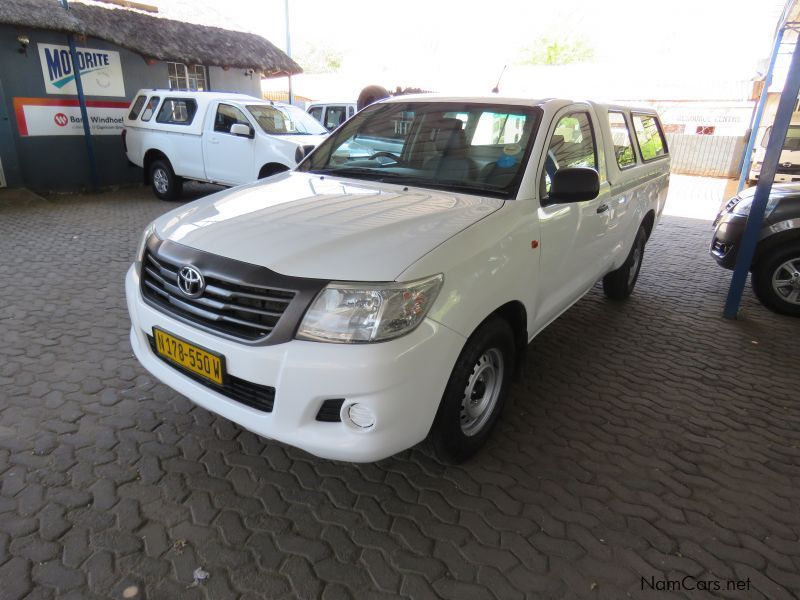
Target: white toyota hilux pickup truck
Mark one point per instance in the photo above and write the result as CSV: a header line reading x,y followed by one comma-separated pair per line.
x,y
366,300
215,137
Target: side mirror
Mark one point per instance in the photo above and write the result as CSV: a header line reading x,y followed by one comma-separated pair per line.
x,y
241,130
574,184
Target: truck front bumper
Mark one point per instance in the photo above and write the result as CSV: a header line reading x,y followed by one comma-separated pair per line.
x,y
400,381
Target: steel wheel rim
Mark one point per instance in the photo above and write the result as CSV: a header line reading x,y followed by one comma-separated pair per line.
x,y
482,392
786,281
637,262
161,181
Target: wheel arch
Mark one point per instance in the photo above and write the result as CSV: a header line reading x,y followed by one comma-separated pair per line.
x,y
272,168
516,315
767,245
150,156
648,222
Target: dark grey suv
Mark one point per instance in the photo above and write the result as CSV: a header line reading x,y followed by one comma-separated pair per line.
x,y
776,265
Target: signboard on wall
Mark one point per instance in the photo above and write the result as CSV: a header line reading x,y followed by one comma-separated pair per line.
x,y
50,116
101,71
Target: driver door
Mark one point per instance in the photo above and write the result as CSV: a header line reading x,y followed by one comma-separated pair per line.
x,y
574,235
228,158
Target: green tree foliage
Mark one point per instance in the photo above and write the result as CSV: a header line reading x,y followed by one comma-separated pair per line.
x,y
552,51
317,59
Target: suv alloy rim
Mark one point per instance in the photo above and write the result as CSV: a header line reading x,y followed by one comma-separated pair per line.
x,y
637,259
161,180
786,281
482,391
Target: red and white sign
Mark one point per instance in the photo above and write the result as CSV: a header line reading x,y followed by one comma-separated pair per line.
x,y
46,116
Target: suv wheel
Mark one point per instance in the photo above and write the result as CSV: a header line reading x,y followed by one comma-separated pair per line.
x,y
476,392
776,280
619,284
166,185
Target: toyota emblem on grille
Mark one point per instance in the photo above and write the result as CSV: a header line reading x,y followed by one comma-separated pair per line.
x,y
190,282
786,164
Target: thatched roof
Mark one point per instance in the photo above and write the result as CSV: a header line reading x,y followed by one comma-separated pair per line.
x,y
153,37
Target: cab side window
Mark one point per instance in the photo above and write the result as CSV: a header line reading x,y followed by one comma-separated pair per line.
x,y
177,111
147,113
335,116
649,136
316,112
137,107
572,145
621,138
227,116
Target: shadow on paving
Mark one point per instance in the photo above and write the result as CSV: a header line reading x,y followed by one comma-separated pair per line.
x,y
648,441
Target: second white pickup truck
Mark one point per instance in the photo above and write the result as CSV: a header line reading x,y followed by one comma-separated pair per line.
x,y
222,138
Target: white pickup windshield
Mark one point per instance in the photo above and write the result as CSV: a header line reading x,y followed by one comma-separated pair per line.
x,y
478,148
285,120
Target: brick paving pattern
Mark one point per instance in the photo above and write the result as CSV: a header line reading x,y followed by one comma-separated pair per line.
x,y
649,439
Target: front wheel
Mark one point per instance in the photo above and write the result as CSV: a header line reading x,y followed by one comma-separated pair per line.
x,y
776,280
619,284
166,185
476,392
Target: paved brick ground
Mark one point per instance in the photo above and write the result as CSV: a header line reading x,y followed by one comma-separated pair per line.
x,y
649,439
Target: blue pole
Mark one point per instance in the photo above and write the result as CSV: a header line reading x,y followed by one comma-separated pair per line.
x,y
87,131
748,154
783,116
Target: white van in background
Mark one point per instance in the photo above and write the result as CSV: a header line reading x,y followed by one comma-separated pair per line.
x,y
216,137
789,163
331,114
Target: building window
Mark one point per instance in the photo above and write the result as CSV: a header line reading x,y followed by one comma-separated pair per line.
x,y
186,77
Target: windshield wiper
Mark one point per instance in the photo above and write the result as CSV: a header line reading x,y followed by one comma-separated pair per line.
x,y
364,172
446,184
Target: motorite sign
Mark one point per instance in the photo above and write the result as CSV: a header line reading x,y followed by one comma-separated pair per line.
x,y
101,71
50,116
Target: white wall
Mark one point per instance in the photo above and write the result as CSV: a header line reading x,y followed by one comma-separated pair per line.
x,y
234,80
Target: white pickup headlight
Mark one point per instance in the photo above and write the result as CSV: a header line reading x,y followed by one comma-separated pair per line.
x,y
149,230
363,312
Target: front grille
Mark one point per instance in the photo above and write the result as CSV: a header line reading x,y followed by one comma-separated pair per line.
x,y
254,395
790,170
731,203
246,312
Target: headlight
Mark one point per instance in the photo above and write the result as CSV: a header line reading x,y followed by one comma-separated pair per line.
x,y
757,167
362,312
149,230
743,207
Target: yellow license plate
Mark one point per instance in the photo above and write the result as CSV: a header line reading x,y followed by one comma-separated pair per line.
x,y
190,357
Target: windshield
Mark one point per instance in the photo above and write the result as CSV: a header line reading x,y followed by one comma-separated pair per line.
x,y
285,120
477,148
792,141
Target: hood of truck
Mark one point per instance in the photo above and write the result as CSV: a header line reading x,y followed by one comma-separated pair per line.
x,y
323,227
304,140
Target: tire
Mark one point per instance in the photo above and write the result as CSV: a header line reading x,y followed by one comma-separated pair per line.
x,y
166,185
776,280
485,368
619,284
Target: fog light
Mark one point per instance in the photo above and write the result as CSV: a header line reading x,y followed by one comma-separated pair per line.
x,y
361,416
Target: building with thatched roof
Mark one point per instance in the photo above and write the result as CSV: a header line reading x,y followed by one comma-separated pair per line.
x,y
120,50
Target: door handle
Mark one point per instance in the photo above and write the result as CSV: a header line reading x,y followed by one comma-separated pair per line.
x,y
213,141
602,208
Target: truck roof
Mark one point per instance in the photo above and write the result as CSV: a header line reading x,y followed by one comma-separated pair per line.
x,y
208,96
509,100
